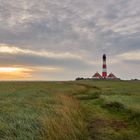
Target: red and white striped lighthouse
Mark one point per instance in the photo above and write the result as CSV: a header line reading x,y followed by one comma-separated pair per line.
x,y
104,70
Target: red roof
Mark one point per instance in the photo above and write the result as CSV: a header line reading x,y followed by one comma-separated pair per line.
x,y
111,75
96,75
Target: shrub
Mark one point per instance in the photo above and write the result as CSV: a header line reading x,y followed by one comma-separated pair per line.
x,y
116,106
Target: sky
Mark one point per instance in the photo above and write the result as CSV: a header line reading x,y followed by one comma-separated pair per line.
x,y
65,39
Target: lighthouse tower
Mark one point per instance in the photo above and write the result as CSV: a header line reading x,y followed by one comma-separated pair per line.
x,y
104,70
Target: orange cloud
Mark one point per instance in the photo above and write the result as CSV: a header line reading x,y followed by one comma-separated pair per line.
x,y
14,73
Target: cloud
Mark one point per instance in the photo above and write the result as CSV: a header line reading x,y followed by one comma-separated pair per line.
x,y
69,34
15,50
133,56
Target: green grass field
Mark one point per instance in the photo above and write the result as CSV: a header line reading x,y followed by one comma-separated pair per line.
x,y
77,110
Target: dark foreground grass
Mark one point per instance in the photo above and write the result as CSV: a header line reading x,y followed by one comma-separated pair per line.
x,y
83,110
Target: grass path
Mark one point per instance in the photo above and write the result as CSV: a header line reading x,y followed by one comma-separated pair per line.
x,y
108,119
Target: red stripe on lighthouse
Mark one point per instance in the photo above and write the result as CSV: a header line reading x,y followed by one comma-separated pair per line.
x,y
104,74
104,66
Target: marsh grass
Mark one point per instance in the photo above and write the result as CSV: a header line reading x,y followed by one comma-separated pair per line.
x,y
40,111
80,110
88,96
66,123
114,115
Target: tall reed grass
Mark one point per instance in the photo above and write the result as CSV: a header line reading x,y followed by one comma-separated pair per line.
x,y
66,122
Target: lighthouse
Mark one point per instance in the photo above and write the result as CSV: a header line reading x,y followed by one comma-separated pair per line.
x,y
104,67
111,76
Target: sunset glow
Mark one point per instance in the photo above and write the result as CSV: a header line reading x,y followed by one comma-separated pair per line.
x,y
11,73
9,70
